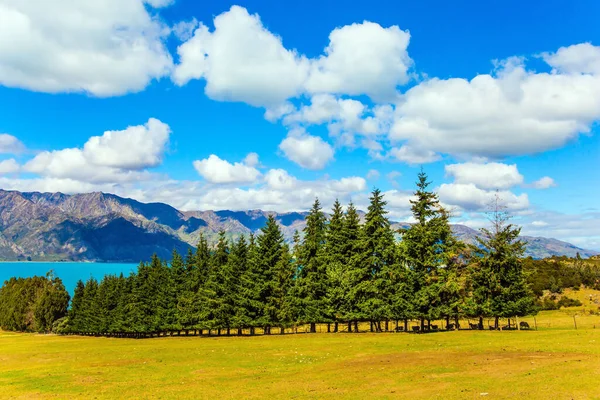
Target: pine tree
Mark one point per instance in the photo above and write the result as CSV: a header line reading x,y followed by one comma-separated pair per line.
x,y
76,311
270,251
499,284
377,255
211,296
251,283
353,274
336,266
312,277
428,247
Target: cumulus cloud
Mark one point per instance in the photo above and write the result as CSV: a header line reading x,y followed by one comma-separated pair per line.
x,y
486,176
116,156
103,48
135,148
9,166
544,183
514,111
310,152
10,144
413,155
215,170
362,59
469,197
583,58
241,60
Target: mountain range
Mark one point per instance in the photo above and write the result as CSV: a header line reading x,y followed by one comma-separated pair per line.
x,y
105,227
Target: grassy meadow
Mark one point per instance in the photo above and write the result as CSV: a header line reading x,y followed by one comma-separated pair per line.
x,y
555,362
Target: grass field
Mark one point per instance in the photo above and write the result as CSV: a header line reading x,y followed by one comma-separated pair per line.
x,y
555,362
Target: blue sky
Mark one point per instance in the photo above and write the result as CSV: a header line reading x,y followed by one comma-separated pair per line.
x,y
265,104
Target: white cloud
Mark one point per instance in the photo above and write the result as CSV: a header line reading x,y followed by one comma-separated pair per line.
x,y
362,59
117,156
414,155
10,144
515,111
544,183
135,148
9,166
216,170
583,58
310,152
241,60
103,48
280,179
486,176
471,198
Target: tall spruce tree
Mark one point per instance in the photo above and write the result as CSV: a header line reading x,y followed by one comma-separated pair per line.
x,y
428,246
377,255
499,285
312,278
269,254
336,266
353,274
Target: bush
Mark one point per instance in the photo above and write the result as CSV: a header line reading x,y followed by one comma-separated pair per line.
x,y
568,302
60,325
547,304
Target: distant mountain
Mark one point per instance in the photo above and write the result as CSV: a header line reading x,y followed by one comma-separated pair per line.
x,y
105,227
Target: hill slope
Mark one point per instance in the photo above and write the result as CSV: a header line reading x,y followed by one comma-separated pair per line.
x,y
105,227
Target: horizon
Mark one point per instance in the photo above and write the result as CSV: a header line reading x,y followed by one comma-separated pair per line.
x,y
239,106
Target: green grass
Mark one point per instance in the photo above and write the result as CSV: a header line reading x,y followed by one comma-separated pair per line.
x,y
557,362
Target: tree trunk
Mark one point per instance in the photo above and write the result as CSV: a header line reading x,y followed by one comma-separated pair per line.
x,y
239,331
313,327
387,325
405,325
349,326
355,326
328,327
228,331
282,331
480,323
251,331
447,321
335,327
496,323
422,324
456,322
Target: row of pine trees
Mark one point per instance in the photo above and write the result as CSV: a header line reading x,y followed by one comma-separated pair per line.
x,y
341,270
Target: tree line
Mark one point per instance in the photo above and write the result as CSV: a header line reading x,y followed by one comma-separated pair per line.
x,y
341,270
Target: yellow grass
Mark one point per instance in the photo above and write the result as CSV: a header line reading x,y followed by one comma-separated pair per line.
x,y
555,362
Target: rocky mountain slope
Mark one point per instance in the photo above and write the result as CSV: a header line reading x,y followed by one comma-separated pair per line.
x,y
105,227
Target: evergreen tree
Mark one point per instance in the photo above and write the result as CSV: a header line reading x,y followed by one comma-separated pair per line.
x,y
336,265
500,288
76,311
270,252
312,276
377,255
428,246
251,283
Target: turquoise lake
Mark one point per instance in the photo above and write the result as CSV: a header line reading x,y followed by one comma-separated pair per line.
x,y
69,272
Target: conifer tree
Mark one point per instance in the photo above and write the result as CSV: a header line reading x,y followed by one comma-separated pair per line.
x,y
270,251
353,274
428,246
251,283
312,276
336,265
499,284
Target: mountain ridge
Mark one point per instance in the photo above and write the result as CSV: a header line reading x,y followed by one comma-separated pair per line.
x,y
105,227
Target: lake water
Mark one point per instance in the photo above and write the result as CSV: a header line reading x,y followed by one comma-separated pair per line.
x,y
69,272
